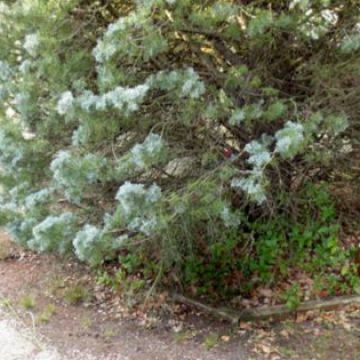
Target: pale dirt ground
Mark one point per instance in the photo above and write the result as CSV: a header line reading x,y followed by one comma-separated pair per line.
x,y
99,331
17,343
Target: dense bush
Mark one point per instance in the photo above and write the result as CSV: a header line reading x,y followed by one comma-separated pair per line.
x,y
182,130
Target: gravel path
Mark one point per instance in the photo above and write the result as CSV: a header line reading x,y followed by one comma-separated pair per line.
x,y
18,343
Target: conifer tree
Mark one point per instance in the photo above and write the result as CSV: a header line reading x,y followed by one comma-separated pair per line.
x,y
165,121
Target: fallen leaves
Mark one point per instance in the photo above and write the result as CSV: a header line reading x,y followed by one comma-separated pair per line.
x,y
225,338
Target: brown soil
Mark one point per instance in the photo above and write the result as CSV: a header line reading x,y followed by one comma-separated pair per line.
x,y
102,326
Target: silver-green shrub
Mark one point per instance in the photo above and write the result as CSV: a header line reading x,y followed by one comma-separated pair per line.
x,y
176,119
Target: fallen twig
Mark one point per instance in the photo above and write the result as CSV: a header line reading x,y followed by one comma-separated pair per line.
x,y
276,312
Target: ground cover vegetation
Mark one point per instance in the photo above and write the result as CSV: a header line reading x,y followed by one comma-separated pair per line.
x,y
195,141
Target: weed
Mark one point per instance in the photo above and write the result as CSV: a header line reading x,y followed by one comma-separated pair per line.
x,y
55,284
183,335
86,323
104,278
28,302
287,352
121,281
109,333
47,313
5,250
211,340
77,294
7,303
292,297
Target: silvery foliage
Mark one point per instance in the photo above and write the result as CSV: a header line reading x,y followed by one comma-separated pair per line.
x,y
17,193
105,76
336,124
254,185
4,8
350,43
3,93
259,154
289,140
61,158
9,210
31,44
10,207
331,125
237,117
301,4
5,71
260,23
21,229
124,99
66,103
25,66
54,234
107,47
37,198
229,218
127,100
138,206
93,245
88,101
80,136
5,75
86,241
23,103
73,173
192,87
147,153
182,83
10,153
141,157
317,24
131,36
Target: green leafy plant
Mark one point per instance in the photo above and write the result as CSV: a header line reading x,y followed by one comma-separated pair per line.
x,y
292,297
